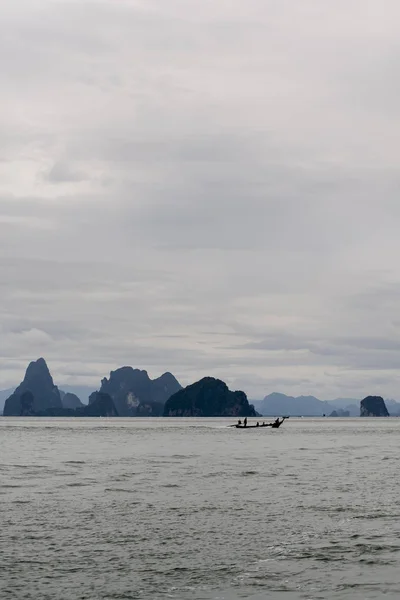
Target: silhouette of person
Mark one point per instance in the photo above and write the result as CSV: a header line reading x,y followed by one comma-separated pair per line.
x,y
245,422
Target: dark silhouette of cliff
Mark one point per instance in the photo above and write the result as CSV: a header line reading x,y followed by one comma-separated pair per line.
x,y
26,404
102,405
43,394
373,406
70,400
37,396
208,397
135,394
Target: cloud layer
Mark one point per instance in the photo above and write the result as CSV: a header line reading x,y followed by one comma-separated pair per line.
x,y
202,187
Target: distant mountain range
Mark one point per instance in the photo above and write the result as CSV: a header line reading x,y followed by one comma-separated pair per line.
x,y
280,404
310,406
131,392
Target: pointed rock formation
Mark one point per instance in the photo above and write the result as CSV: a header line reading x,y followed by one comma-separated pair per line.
x,y
208,397
36,393
373,406
163,387
135,394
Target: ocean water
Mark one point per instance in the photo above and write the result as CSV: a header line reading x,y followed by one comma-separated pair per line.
x,y
190,509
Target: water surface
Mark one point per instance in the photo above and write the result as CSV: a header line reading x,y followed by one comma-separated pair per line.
x,y
189,509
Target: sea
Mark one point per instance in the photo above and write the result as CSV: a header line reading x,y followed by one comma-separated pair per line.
x,y
192,509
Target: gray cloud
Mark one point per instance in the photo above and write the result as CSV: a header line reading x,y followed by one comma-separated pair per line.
x,y
208,190
61,172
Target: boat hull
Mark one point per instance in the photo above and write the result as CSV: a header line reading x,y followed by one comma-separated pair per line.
x,y
253,426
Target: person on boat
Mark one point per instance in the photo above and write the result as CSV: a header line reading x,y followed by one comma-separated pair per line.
x,y
239,422
258,424
245,422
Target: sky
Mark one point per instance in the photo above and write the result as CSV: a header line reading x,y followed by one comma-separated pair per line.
x,y
202,187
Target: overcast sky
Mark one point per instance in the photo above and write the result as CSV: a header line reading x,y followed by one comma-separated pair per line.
x,y
208,187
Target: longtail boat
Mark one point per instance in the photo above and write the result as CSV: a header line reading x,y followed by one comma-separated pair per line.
x,y
275,424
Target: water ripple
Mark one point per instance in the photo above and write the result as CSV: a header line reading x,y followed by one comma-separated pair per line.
x,y
149,509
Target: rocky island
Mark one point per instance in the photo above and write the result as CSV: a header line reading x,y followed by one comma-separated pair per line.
x,y
208,397
130,392
127,393
37,396
36,393
136,395
373,406
340,412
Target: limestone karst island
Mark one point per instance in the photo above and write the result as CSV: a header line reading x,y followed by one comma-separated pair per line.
x,y
129,392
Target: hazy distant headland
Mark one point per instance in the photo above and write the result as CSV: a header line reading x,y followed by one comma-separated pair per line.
x,y
310,406
130,392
